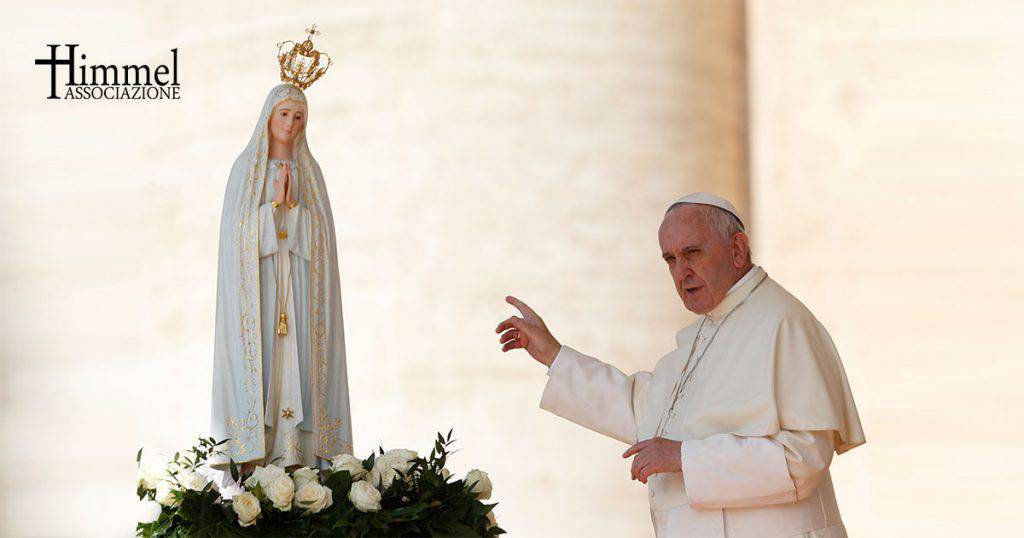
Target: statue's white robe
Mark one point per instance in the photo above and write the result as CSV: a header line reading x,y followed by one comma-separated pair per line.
x,y
766,408
245,397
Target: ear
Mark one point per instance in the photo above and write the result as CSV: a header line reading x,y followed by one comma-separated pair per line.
x,y
738,248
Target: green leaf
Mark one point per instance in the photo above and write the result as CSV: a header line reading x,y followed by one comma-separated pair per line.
x,y
138,457
459,529
479,509
234,471
339,484
409,511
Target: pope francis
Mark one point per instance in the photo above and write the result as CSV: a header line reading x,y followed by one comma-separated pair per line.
x,y
734,430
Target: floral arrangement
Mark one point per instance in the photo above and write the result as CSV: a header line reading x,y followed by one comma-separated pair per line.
x,y
392,493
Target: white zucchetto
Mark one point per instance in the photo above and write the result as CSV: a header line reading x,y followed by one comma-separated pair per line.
x,y
705,198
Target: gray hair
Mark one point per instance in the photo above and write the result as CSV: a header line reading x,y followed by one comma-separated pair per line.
x,y
721,221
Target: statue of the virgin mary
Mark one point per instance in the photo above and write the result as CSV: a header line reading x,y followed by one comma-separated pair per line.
x,y
280,387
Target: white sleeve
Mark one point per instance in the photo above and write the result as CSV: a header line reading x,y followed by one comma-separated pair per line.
x,y
297,223
730,471
594,395
268,230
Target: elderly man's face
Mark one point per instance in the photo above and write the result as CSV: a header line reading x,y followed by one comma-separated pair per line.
x,y
703,266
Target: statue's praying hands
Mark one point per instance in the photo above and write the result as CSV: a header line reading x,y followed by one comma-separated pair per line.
x,y
283,189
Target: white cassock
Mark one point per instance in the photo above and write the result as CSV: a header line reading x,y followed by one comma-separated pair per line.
x,y
765,406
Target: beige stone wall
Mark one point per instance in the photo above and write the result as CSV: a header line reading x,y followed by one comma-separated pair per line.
x,y
887,195
471,150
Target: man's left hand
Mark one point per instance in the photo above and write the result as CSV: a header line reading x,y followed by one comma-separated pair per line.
x,y
657,455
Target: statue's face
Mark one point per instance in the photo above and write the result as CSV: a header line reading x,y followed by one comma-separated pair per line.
x,y
287,121
703,266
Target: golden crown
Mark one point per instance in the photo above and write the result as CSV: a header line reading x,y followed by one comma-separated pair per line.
x,y
300,65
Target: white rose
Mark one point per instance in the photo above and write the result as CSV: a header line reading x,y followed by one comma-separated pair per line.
x,y
350,463
400,459
165,494
303,475
149,477
264,476
247,506
191,480
230,491
383,476
445,474
364,496
280,492
313,497
152,469
148,511
491,521
483,483
387,465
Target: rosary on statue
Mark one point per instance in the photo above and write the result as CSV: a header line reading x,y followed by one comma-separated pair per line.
x,y
282,304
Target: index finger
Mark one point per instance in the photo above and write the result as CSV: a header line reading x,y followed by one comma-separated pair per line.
x,y
523,307
636,448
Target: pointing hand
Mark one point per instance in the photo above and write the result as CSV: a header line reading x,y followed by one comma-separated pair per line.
x,y
528,332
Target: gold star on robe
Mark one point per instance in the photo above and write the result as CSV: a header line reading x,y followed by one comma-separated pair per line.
x,y
287,412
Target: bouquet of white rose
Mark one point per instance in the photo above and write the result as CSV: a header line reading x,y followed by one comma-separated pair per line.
x,y
392,493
